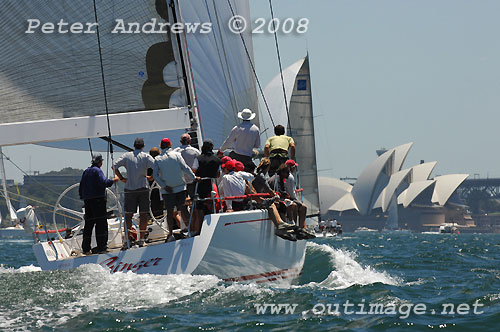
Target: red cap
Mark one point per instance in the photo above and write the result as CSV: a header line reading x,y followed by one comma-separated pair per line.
x,y
166,140
291,163
238,165
229,165
225,159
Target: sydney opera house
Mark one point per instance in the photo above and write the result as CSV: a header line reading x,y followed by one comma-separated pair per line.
x,y
386,196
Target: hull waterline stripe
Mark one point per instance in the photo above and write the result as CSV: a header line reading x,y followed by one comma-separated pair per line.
x,y
244,221
267,275
292,276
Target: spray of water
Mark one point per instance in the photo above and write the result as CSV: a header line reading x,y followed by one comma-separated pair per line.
x,y
346,271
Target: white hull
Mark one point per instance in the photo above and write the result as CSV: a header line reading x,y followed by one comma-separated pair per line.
x,y
238,246
364,230
324,234
14,232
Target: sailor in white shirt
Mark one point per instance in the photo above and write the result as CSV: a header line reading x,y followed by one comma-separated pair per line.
x,y
171,172
233,185
190,155
243,138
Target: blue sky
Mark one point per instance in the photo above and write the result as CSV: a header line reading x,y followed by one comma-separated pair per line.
x,y
384,73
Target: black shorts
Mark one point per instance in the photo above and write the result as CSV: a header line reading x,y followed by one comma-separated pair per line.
x,y
276,162
281,207
137,198
175,200
206,207
246,160
239,206
190,188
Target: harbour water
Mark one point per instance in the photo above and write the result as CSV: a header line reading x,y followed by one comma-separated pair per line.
x,y
443,274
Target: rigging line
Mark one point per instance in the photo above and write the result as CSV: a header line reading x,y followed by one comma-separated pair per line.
x,y
183,65
251,65
90,147
33,177
41,203
281,69
107,160
234,101
103,80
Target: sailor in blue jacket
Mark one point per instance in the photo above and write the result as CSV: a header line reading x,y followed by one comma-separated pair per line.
x,y
93,192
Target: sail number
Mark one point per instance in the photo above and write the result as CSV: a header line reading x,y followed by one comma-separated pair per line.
x,y
275,25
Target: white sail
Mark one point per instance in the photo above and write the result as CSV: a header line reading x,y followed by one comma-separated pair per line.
x,y
276,102
51,84
10,208
223,79
299,123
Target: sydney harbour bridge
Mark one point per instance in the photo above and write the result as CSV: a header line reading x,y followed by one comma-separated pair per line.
x,y
476,191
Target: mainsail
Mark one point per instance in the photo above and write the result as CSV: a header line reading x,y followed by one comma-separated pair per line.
x,y
299,123
51,77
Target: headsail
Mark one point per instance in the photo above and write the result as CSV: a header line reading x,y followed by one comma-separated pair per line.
x,y
276,101
299,124
51,78
10,208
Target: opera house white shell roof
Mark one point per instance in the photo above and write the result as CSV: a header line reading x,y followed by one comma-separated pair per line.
x,y
383,179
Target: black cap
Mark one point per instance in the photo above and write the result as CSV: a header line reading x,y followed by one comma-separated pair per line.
x,y
96,159
207,146
139,143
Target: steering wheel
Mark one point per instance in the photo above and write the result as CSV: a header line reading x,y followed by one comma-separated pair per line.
x,y
159,221
79,214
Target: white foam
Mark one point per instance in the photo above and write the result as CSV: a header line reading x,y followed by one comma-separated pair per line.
x,y
22,269
419,281
347,272
91,288
130,291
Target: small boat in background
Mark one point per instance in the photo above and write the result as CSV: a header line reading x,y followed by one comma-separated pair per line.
x,y
364,230
449,228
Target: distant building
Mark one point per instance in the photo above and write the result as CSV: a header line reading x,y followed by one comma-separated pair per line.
x,y
9,182
387,196
55,180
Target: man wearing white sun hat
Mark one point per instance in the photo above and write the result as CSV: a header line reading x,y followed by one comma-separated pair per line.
x,y
243,138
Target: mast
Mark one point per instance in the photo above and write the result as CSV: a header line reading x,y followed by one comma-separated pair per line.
x,y
195,130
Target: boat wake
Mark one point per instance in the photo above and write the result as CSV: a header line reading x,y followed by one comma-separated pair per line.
x,y
86,290
59,298
346,271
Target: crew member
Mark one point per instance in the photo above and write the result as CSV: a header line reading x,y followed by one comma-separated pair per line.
x,y
207,165
171,172
243,139
136,163
93,192
277,147
189,154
